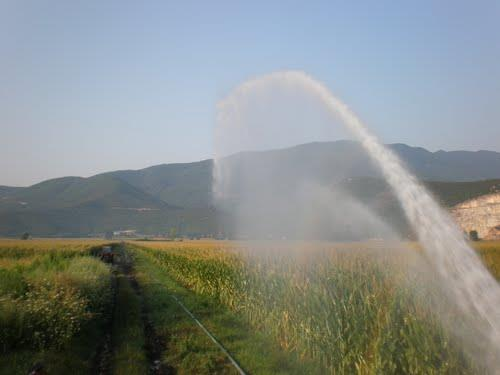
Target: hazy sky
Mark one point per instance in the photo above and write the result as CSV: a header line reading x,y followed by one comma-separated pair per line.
x,y
90,86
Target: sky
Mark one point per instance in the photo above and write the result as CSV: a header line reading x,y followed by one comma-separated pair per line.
x,y
91,86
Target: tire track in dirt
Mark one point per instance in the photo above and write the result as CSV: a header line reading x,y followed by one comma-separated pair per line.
x,y
154,344
102,364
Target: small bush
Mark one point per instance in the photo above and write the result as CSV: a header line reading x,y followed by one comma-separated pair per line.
x,y
54,313
48,315
92,278
11,323
62,293
12,283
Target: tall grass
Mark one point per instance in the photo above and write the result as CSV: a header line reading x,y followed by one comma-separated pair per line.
x,y
48,292
354,308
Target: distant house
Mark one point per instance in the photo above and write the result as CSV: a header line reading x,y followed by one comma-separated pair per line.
x,y
125,233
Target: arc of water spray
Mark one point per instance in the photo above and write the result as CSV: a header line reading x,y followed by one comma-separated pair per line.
x,y
477,293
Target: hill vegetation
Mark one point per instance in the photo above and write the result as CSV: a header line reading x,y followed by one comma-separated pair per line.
x,y
156,199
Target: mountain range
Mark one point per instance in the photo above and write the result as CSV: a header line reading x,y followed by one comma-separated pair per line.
x,y
155,199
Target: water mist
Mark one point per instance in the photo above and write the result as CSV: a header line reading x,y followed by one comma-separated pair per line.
x,y
463,275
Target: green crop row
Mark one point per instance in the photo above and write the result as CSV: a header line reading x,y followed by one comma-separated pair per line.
x,y
351,311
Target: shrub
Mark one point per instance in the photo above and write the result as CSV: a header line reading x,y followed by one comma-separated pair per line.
x,y
45,303
92,279
53,314
12,283
11,323
48,315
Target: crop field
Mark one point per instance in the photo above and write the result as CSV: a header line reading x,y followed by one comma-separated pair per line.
x,y
283,307
49,292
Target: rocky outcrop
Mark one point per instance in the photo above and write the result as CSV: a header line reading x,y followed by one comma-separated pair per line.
x,y
481,214
493,233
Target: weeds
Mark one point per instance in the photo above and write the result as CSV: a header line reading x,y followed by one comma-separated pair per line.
x,y
45,302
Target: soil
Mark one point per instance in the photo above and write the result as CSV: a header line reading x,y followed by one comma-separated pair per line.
x,y
154,344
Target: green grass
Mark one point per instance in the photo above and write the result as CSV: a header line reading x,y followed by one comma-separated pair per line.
x,y
490,254
348,310
128,333
55,308
315,308
189,350
75,358
51,303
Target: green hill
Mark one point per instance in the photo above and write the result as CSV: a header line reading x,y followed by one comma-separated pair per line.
x,y
69,192
155,199
182,184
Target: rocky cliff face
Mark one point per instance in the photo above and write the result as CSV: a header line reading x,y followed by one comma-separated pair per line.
x,y
481,214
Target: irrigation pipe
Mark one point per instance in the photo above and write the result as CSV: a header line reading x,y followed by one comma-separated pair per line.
x,y
207,332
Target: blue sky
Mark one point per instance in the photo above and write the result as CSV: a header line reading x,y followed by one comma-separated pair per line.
x,y
90,86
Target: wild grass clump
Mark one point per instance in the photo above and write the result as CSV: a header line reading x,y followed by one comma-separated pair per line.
x,y
12,283
46,301
92,279
47,315
490,254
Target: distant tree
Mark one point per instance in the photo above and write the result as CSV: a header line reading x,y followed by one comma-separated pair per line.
x,y
108,235
473,236
25,236
172,233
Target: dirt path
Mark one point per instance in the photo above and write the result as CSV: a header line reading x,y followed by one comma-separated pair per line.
x,y
104,355
154,345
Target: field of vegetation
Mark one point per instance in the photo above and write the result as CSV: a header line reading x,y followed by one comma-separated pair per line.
x,y
349,308
341,308
49,294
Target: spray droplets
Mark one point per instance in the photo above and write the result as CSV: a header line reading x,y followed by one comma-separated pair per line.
x,y
463,275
